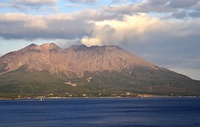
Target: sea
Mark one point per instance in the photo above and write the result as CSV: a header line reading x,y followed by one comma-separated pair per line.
x,y
101,112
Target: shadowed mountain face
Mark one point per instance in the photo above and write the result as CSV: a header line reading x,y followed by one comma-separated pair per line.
x,y
80,70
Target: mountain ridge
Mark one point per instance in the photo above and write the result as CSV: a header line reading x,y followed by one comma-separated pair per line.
x,y
78,59
90,71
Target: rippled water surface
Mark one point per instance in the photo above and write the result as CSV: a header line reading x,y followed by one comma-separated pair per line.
x,y
101,112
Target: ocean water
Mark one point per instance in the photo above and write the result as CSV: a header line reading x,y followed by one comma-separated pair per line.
x,y
101,112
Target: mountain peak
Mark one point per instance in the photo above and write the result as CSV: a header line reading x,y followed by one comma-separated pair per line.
x,y
76,59
47,46
78,47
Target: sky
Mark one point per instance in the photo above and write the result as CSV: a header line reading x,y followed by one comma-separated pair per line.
x,y
164,32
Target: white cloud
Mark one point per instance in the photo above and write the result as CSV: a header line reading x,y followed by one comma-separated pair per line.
x,y
90,41
123,31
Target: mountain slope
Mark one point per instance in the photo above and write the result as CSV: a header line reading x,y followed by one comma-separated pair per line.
x,y
98,70
76,59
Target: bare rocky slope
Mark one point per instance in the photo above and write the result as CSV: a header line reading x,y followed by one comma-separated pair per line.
x,y
90,71
74,60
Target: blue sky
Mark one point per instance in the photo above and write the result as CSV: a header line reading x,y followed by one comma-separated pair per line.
x,y
164,32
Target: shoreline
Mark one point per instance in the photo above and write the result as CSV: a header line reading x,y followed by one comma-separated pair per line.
x,y
140,96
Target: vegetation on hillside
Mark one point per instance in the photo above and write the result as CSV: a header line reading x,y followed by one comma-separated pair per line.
x,y
23,83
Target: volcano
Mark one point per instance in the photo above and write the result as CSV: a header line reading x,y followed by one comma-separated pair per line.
x,y
90,71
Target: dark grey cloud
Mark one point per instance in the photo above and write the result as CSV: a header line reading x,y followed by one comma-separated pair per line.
x,y
180,9
194,14
68,29
155,2
182,3
143,7
170,3
128,9
96,15
180,14
25,5
185,14
196,7
154,6
21,26
175,47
